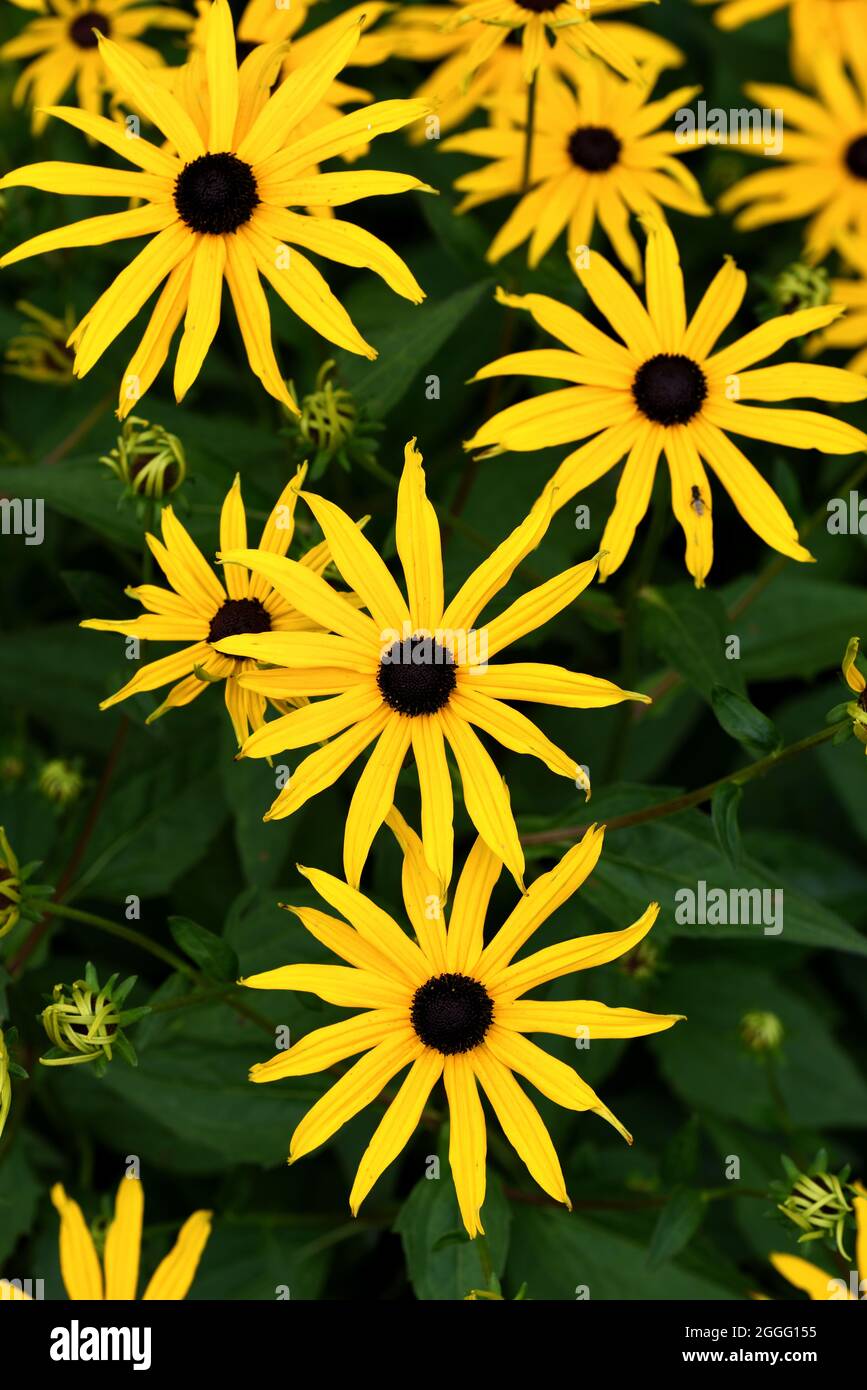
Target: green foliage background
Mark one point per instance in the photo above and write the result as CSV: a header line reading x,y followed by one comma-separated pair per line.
x,y
180,822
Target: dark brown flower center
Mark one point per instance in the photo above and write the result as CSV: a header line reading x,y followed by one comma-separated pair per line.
x,y
238,617
451,1013
538,6
856,157
669,388
594,148
216,194
81,30
862,699
416,676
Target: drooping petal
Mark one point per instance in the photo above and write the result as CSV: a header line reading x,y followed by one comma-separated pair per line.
x,y
397,1124
468,1140
521,1122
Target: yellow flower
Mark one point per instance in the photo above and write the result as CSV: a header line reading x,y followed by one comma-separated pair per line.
x,y
116,1277
414,673
597,154
856,709
468,72
817,26
849,331
65,50
817,1283
821,171
445,1005
197,609
221,208
667,391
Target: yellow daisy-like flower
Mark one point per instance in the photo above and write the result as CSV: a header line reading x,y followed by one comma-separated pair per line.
x,y
222,207
663,389
597,154
446,1005
817,26
821,171
468,73
198,610
412,673
856,709
849,331
116,1277
64,46
821,1286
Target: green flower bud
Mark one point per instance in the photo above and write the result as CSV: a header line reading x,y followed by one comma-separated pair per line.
x,y
85,1022
148,460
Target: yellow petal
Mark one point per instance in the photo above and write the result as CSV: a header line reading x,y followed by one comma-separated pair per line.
x,y
354,1090
361,566
174,1275
397,1124
549,1075
371,922
418,544
544,896
123,1241
437,805
521,1123
478,879
422,893
324,1047
222,70
203,311
582,953
322,768
373,795
468,1140
485,795
79,1264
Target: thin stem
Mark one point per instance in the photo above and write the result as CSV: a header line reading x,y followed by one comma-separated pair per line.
x,y
82,429
693,798
529,132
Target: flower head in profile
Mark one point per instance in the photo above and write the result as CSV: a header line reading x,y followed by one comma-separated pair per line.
x,y
412,672
445,1005
220,207
476,62
856,709
538,22
662,387
63,51
198,611
835,27
597,155
821,171
115,1277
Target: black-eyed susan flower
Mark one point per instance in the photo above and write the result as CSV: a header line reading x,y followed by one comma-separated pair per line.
x,y
817,1283
817,26
115,1276
597,155
445,1005
850,330
664,390
412,673
197,610
221,208
63,45
468,74
821,171
856,709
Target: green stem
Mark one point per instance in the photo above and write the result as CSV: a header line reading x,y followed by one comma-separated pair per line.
x,y
693,798
530,128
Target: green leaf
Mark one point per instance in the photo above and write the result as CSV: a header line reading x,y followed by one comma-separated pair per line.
x,y
740,718
798,626
678,1222
406,347
566,1256
214,956
439,1266
724,814
688,628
